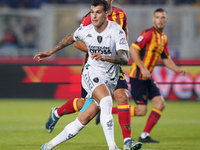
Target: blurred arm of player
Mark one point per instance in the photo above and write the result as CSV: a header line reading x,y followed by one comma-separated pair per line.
x,y
126,33
171,65
67,40
135,54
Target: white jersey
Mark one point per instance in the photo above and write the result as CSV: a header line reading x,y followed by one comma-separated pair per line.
x,y
107,43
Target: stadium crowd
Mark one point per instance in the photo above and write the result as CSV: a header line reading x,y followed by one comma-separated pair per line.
x,y
38,3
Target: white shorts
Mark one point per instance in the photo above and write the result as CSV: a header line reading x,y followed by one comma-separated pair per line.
x,y
92,78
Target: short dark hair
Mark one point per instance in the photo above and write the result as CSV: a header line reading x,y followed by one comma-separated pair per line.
x,y
160,10
100,2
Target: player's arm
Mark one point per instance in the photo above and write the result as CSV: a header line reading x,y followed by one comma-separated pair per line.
x,y
122,57
171,65
126,33
81,46
67,40
135,54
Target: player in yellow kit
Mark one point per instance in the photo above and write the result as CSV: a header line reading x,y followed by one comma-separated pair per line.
x,y
146,51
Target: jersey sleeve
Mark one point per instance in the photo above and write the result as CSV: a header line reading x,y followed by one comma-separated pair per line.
x,y
124,22
86,20
121,42
78,34
165,53
142,40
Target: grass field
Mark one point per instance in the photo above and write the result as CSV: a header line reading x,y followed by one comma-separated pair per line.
x,y
22,127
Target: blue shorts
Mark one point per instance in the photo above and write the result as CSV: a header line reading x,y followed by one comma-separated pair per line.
x,y
121,84
142,90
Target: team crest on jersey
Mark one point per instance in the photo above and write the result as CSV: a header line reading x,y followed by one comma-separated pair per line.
x,y
117,20
139,39
99,39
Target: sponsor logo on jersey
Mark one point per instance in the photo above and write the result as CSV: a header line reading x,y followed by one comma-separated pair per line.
x,y
89,35
122,41
100,49
139,39
121,32
77,38
99,39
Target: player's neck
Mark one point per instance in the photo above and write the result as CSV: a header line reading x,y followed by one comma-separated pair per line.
x,y
159,30
102,27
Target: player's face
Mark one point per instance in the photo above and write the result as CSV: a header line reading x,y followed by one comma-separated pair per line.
x,y
98,16
159,19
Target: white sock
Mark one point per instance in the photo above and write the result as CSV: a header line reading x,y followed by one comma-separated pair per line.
x,y
106,120
144,135
127,139
68,132
56,113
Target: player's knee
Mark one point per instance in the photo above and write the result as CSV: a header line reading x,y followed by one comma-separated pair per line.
x,y
163,105
121,97
80,103
160,106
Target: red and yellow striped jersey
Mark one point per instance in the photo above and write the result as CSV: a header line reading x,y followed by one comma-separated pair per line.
x,y
152,45
117,15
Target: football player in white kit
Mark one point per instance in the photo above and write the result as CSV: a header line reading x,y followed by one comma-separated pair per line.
x,y
107,48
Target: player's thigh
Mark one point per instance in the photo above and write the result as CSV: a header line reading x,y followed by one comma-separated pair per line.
x,y
94,84
88,114
121,89
139,91
100,92
155,96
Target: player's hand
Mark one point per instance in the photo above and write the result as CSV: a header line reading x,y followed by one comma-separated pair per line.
x,y
182,72
41,55
97,56
146,73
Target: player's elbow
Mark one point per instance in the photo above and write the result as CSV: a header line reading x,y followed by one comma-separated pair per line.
x,y
124,61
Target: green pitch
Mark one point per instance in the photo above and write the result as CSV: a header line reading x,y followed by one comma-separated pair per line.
x,y
22,127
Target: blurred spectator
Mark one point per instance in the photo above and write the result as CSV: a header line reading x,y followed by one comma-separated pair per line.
x,y
39,3
177,2
29,33
9,44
